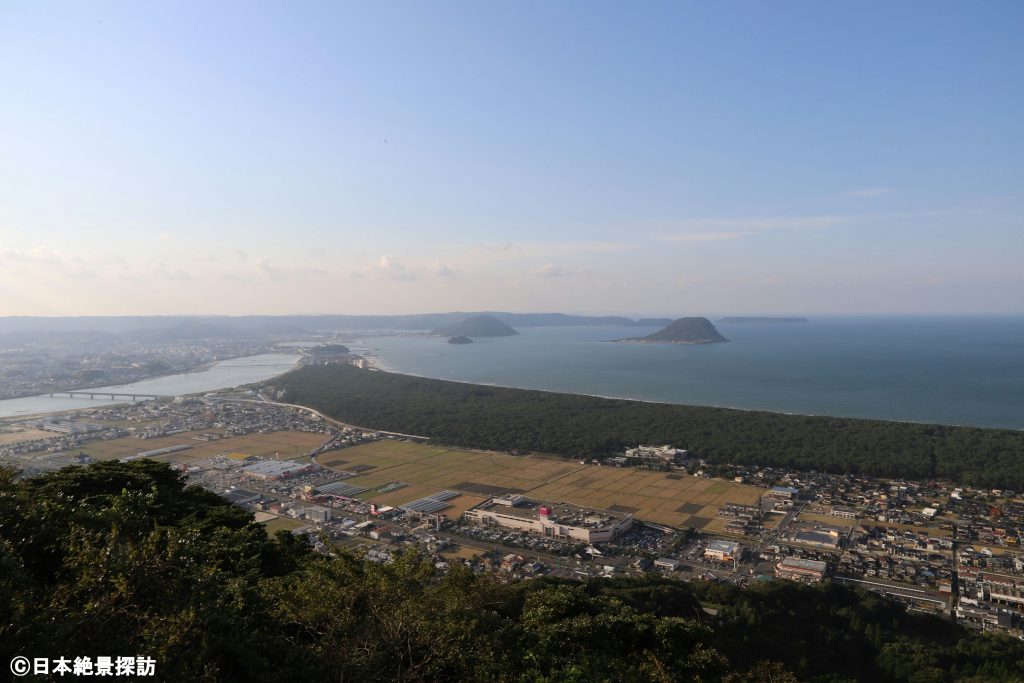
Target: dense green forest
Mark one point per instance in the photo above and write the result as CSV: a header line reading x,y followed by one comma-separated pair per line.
x,y
478,416
125,559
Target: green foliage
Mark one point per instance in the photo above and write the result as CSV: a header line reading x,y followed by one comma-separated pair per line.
x,y
122,558
831,633
498,418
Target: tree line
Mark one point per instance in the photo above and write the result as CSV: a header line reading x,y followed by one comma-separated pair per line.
x,y
477,416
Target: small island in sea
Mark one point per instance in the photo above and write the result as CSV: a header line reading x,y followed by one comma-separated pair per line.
x,y
477,326
682,331
461,339
760,319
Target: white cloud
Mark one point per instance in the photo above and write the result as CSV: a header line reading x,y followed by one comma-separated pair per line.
x,y
34,256
441,270
280,274
175,275
388,267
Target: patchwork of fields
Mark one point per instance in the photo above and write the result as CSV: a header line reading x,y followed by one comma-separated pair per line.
x,y
285,444
409,471
18,435
664,498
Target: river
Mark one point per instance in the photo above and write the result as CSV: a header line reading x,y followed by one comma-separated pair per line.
x,y
221,375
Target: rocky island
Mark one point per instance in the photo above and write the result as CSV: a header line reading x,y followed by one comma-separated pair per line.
x,y
477,326
682,331
461,339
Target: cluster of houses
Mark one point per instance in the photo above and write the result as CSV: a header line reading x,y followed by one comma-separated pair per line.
x,y
36,367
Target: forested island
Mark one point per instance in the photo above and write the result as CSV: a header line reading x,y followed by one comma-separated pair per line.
x,y
499,418
125,558
683,331
477,326
461,339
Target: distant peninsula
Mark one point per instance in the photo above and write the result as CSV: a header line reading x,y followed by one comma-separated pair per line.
x,y
682,331
477,326
761,319
461,339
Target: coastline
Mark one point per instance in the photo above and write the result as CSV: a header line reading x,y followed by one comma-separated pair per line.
x,y
641,340
840,371
201,367
377,366
106,403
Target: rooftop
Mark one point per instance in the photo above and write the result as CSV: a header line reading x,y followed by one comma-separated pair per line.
x,y
799,563
724,546
274,468
562,513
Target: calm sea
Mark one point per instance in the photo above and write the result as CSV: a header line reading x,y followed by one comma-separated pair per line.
x,y
964,370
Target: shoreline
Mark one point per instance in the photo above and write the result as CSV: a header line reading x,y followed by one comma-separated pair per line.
x,y
376,365
201,367
641,340
204,367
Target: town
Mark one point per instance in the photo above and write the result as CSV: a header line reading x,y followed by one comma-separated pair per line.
x,y
937,547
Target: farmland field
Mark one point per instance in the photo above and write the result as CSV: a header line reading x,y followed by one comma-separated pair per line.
x,y
287,444
426,469
277,523
18,435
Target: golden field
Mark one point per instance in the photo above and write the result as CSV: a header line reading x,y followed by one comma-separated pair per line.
x,y
664,498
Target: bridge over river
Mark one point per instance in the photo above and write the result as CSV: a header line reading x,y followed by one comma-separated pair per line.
x,y
106,394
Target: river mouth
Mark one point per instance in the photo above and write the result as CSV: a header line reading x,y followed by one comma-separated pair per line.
x,y
224,374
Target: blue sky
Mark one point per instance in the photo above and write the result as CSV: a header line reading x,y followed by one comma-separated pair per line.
x,y
640,158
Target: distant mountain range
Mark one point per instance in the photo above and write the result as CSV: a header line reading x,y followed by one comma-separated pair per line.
x,y
82,338
174,328
111,331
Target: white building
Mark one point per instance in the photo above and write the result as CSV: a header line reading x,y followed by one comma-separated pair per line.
x,y
723,551
843,512
317,513
797,569
563,520
656,455
276,469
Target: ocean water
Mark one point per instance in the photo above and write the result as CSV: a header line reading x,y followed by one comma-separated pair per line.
x,y
962,370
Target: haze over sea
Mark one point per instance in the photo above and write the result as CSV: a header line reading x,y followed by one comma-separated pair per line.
x,y
948,370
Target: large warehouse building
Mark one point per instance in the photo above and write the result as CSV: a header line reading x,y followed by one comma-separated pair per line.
x,y
797,569
556,521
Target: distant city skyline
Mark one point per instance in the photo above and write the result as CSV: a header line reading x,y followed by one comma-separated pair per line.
x,y
587,158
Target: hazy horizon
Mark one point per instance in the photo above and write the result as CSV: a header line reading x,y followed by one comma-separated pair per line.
x,y
575,157
713,315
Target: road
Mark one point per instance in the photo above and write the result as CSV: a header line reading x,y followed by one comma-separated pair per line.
x,y
771,537
325,418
